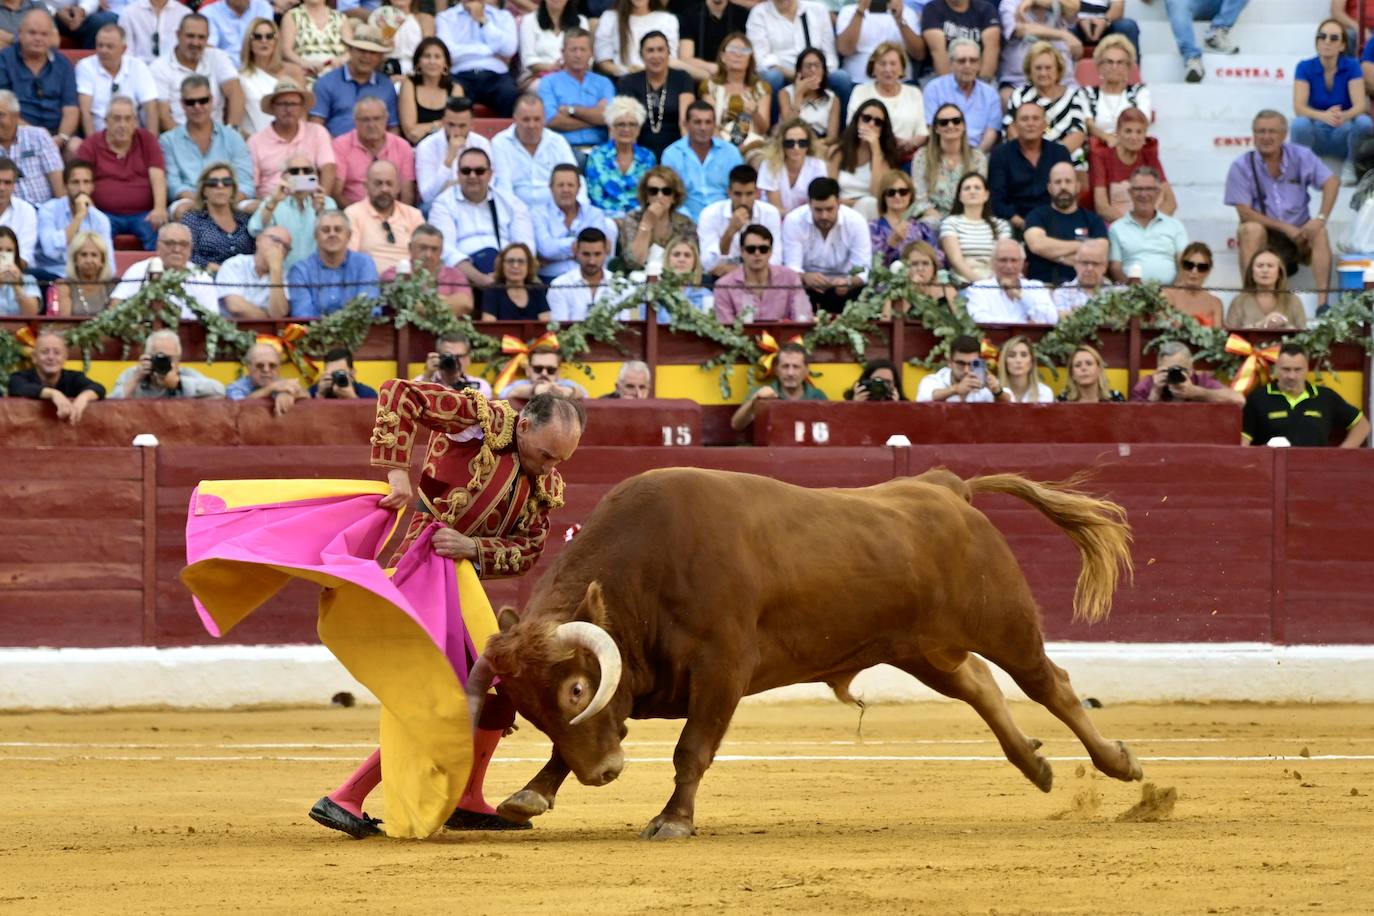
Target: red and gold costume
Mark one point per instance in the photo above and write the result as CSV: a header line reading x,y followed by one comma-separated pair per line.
x,y
471,480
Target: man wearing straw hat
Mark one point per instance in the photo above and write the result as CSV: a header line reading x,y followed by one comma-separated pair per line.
x,y
340,89
290,136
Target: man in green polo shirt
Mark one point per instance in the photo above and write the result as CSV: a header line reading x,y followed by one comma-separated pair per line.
x,y
789,384
1294,409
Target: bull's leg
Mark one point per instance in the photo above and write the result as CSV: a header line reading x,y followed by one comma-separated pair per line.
x,y
538,794
709,711
1048,684
966,677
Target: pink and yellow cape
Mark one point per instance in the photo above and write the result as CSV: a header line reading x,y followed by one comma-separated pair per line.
x,y
409,634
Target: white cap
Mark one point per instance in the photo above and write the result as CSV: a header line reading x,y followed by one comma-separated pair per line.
x,y
155,265
1279,442
402,267
897,440
1135,272
145,440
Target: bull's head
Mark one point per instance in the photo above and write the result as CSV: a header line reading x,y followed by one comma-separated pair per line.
x,y
562,677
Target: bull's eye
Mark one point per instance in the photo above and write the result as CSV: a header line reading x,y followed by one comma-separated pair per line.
x,y
577,690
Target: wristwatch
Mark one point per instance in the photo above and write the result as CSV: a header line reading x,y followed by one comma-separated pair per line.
x,y
568,110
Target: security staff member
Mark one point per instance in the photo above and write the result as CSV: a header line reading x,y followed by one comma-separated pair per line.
x,y
1299,411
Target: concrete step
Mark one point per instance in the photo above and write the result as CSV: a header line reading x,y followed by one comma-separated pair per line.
x,y
1257,12
1271,70
1197,104
1288,39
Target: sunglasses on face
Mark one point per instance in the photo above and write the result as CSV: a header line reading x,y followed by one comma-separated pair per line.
x,y
757,249
219,182
544,370
655,190
195,103
1327,36
872,119
264,36
949,122
301,170
797,144
472,170
1199,266
897,192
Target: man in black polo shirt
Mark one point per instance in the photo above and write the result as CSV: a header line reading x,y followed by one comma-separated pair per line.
x,y
1296,410
1056,229
69,391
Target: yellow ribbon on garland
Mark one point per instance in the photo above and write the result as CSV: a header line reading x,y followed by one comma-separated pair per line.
x,y
520,351
770,348
286,345
988,350
1255,369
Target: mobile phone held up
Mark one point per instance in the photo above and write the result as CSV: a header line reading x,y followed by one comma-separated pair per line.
x,y
305,184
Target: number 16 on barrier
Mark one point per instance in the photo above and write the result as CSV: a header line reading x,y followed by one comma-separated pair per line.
x,y
819,432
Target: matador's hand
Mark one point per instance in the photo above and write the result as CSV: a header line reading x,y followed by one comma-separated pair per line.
x,y
401,493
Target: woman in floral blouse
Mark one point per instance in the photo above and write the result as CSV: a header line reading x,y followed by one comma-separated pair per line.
x,y
893,230
615,168
938,166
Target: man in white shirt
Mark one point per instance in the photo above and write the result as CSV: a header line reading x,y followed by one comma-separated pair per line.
x,y
253,286
829,245
720,225
16,212
862,26
482,40
110,71
528,153
967,379
1090,270
478,220
151,27
779,30
192,56
174,252
1007,297
573,293
436,156
558,223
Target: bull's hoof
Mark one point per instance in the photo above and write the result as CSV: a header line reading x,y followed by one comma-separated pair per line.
x,y
1044,775
523,805
1134,771
662,828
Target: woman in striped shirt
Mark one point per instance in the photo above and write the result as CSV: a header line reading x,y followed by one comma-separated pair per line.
x,y
968,234
1066,111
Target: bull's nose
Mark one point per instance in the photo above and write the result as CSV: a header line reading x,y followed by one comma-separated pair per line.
x,y
607,775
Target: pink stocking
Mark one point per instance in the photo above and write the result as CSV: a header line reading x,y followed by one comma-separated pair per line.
x,y
484,743
355,789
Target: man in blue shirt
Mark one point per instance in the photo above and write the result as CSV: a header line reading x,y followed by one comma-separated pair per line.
x,y
702,160
229,21
329,278
481,40
575,99
978,101
198,143
559,221
44,80
60,219
339,90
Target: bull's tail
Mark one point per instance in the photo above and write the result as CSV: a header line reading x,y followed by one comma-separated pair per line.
x,y
1097,526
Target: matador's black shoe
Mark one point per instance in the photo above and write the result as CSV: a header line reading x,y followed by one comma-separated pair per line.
x,y
463,819
332,815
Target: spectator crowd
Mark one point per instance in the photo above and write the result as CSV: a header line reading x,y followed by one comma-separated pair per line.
x,y
772,153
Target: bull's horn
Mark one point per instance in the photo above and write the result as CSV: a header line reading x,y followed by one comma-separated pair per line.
x,y
598,642
479,682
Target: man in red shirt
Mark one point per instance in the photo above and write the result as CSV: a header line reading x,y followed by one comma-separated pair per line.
x,y
130,174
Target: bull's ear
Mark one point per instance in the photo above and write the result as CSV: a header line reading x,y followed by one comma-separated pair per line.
x,y
593,606
506,618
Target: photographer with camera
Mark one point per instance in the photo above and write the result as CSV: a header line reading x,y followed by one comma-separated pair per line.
x,y
877,382
966,379
448,365
159,373
264,380
1175,380
338,380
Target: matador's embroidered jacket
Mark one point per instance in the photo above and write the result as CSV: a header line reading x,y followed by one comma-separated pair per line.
x,y
471,479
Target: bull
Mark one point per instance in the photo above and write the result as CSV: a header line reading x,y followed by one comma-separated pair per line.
x,y
688,589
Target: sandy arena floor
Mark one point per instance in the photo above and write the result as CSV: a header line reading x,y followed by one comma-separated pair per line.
x,y
206,812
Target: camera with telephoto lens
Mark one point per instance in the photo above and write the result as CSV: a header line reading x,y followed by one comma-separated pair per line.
x,y
1176,375
339,378
878,388
448,363
160,364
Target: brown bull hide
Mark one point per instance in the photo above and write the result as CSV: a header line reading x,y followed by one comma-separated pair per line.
x,y
716,585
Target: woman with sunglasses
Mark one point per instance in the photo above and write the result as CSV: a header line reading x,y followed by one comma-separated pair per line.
x,y
893,229
743,102
970,232
657,221
261,64
1189,294
218,228
1087,382
1265,302
615,169
313,36
664,92
904,103
1330,102
515,293
426,90
866,151
1066,112
403,27
808,98
1112,167
938,166
790,162
1114,93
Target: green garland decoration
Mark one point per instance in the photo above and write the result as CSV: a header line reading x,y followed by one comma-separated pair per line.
x,y
1347,321
12,355
735,345
157,301
414,299
894,283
